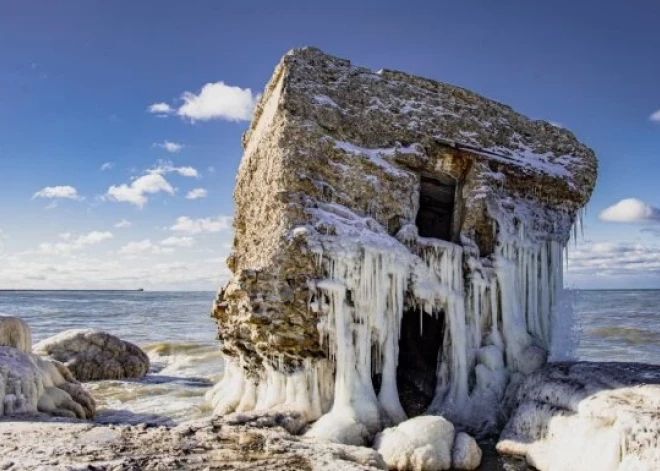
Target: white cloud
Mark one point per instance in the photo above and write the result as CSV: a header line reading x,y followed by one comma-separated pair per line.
x,y
655,117
211,169
197,193
123,224
630,210
160,109
169,146
66,191
196,226
82,241
214,101
151,183
143,247
613,259
164,168
107,166
136,192
178,242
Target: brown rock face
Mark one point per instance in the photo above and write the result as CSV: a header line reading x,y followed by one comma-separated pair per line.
x,y
354,189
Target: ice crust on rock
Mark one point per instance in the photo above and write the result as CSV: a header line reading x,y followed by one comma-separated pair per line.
x,y
30,385
420,444
327,258
94,355
586,416
15,332
466,454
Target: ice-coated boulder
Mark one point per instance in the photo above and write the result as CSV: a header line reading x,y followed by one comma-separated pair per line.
x,y
15,333
420,444
93,355
586,416
30,384
466,454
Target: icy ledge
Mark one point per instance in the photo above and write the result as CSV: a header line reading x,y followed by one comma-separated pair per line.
x,y
586,416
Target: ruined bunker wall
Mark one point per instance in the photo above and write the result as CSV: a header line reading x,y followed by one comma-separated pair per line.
x,y
329,259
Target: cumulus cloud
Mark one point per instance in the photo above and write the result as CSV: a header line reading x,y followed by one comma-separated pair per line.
x,y
215,100
107,166
162,109
655,117
123,224
67,192
196,226
136,192
178,242
218,101
630,210
196,194
169,146
80,242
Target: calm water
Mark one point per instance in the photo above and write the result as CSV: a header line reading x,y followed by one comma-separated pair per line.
x,y
176,331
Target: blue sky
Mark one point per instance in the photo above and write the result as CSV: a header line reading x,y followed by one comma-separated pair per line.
x,y
77,79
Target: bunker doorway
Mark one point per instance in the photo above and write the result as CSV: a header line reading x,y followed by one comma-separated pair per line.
x,y
419,350
436,207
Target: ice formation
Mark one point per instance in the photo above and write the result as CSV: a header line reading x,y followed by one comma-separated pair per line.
x,y
93,355
14,332
30,384
586,416
378,208
466,454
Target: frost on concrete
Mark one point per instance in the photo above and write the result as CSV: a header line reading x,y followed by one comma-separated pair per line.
x,y
420,444
14,332
93,355
586,416
29,384
328,260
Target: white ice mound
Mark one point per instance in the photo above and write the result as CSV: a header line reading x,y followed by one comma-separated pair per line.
x,y
466,454
15,333
586,416
93,355
29,384
420,444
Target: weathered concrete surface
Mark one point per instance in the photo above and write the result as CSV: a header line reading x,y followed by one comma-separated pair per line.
x,y
586,416
93,355
328,132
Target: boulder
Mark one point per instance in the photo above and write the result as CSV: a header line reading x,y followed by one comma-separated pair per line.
x,y
15,333
586,416
94,355
420,444
466,453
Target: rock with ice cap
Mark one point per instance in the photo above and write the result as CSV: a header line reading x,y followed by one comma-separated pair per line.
x,y
420,444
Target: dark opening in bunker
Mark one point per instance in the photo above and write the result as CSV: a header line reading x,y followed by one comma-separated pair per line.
x,y
436,207
419,350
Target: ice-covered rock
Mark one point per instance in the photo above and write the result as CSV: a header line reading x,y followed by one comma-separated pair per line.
x,y
586,416
30,384
14,332
94,355
420,444
466,454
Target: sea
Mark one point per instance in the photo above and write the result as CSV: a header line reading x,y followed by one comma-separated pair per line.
x,y
176,331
